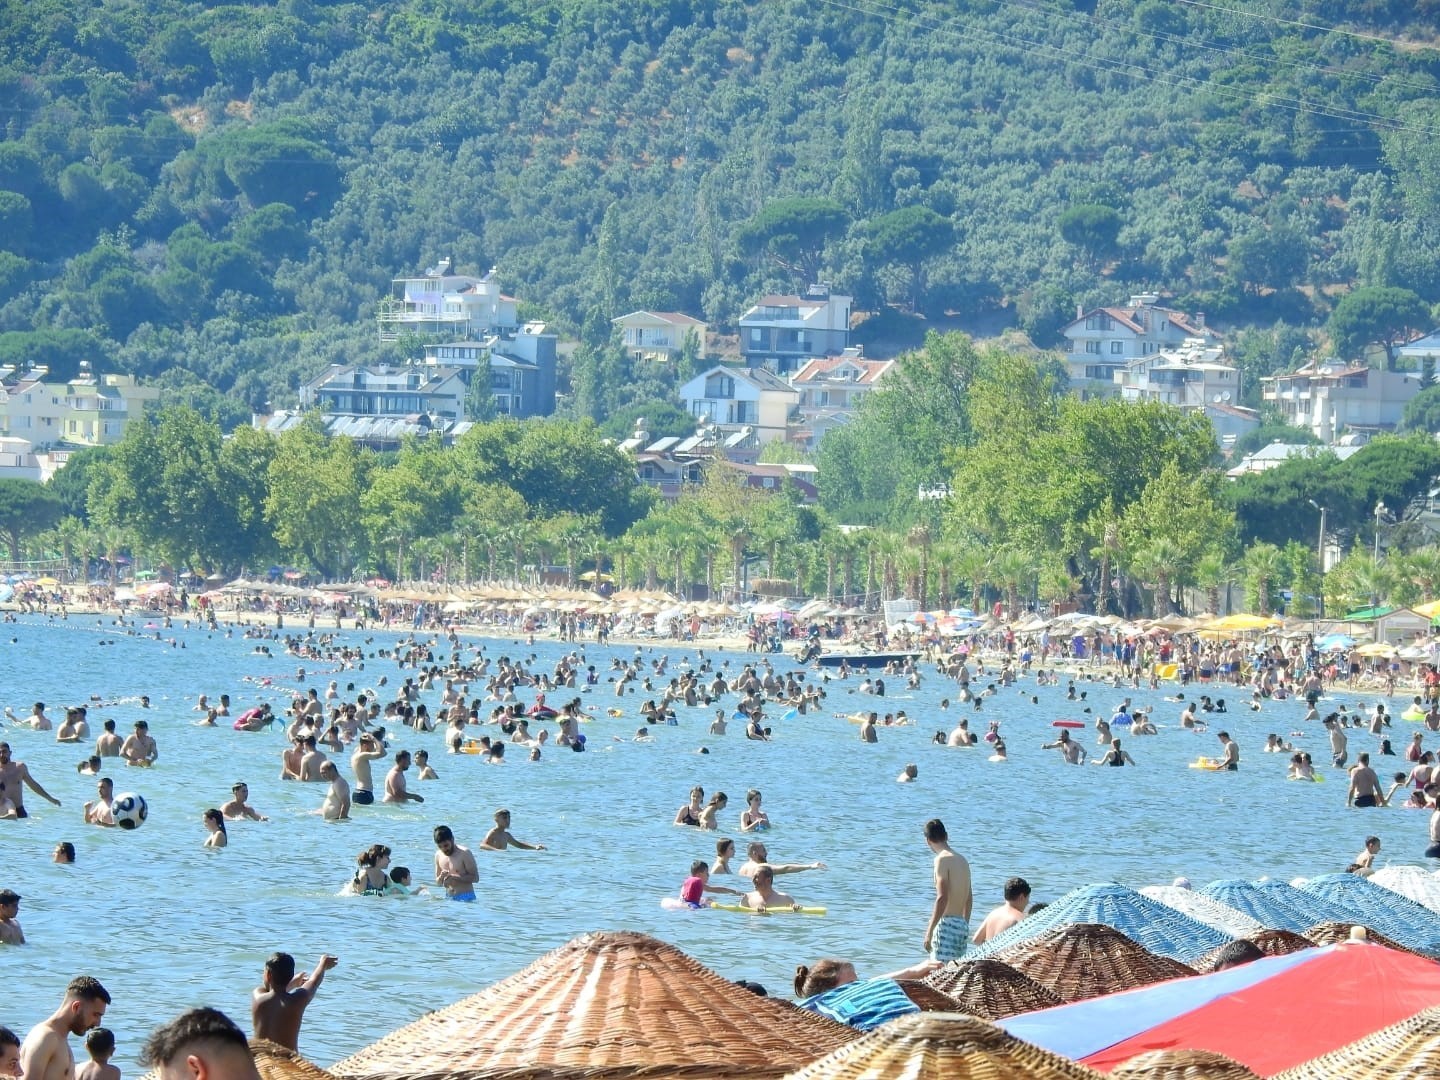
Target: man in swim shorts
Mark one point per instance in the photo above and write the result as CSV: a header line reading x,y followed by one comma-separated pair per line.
x,y
948,933
455,868
277,1006
14,779
370,749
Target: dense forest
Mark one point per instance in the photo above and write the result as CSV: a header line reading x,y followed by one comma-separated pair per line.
x,y
216,196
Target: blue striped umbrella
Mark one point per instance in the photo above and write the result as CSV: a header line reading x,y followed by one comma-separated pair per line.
x,y
1276,904
1156,926
1411,924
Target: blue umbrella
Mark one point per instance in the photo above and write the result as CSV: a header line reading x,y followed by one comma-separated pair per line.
x,y
1157,927
1411,924
1276,904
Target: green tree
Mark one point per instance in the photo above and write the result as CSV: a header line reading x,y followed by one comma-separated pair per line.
x,y
27,509
312,498
1093,228
793,232
910,237
1377,315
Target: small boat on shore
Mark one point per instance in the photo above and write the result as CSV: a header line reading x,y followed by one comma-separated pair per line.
x,y
864,659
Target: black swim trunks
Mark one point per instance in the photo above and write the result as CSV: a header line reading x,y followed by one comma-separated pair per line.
x,y
363,797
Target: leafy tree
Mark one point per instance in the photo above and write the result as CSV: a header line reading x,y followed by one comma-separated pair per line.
x,y
662,419
312,498
793,233
1267,257
1272,431
910,236
1422,412
1377,315
26,509
71,485
1092,228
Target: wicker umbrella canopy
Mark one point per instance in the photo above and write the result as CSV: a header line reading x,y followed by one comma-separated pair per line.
x,y
1160,929
276,1062
991,989
1414,882
927,998
1413,925
1090,959
1203,909
1409,1050
604,1006
1332,933
1184,1065
942,1046
1274,903
1269,942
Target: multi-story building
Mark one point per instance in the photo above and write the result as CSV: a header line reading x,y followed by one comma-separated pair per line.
x,y
659,335
387,390
782,332
741,398
522,368
441,301
88,410
1332,399
1104,340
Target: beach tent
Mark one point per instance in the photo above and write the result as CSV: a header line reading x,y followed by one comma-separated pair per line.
x,y
1086,960
1412,925
1269,1015
612,1005
1184,1065
1276,903
1414,882
1161,929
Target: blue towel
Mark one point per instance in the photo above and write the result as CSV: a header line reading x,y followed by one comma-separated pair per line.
x,y
862,1005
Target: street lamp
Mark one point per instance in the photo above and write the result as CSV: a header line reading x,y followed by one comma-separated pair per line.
x,y
1320,550
1379,517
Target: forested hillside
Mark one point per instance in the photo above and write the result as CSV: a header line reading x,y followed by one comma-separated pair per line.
x,y
218,195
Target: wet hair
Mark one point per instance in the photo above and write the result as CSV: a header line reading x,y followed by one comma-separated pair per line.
x,y
1237,952
753,987
166,1043
699,866
1038,906
1371,840
86,988
823,976
8,1037
400,875
1016,887
718,799
280,969
752,795
443,833
723,843
935,830
100,1041
218,818
66,848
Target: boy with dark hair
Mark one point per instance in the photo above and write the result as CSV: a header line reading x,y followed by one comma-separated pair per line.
x,y
278,1005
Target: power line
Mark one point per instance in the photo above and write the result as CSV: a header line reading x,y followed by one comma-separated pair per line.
x,y
1357,34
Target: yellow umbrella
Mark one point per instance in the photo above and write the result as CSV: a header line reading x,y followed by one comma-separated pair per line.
x,y
1243,622
1376,648
1429,610
46,582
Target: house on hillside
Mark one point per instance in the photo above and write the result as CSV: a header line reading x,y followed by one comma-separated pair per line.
x,y
1104,340
781,332
522,368
659,335
1194,378
88,410
1419,350
1277,453
741,398
386,390
1333,399
441,301
837,382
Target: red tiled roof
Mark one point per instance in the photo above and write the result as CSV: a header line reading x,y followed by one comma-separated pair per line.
x,y
871,370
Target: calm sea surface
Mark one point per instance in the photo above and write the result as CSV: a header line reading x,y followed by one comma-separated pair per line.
x,y
167,925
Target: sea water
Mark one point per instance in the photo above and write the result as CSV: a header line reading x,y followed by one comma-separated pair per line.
x,y
167,924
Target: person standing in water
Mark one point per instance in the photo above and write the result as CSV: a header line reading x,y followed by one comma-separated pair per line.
x,y
278,1004
46,1053
455,868
948,933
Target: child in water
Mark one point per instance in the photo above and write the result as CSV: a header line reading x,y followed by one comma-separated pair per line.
x,y
100,1045
698,883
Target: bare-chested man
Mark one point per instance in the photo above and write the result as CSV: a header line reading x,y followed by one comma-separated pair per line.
x,y
455,868
102,811
395,790
108,744
139,748
14,779
311,760
202,1043
756,856
1364,785
1017,899
499,838
37,720
948,933
46,1053
73,728
1070,749
239,804
278,1005
336,806
764,895
9,1052
370,749
10,932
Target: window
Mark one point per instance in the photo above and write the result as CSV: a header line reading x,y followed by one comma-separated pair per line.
x,y
1092,323
719,386
499,380
1117,347
1092,347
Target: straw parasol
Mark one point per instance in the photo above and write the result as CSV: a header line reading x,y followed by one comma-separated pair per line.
x,y
1413,925
1274,903
604,1006
1159,928
1089,959
927,998
1414,882
275,1062
1409,1049
992,989
1274,942
1332,933
942,1046
1200,907
1184,1065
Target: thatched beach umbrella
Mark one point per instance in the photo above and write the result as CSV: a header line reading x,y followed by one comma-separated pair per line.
x,y
1276,904
1202,908
1160,929
1413,925
991,989
1184,1065
275,1062
1332,933
1089,959
1409,1050
604,1006
1413,882
942,1046
1268,941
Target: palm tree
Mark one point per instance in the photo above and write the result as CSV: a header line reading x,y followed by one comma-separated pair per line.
x,y
1160,562
972,565
1213,572
738,538
1010,567
945,556
920,538
1106,552
1263,567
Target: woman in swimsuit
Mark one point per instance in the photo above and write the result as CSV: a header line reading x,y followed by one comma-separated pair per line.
x,y
689,814
753,819
215,823
724,852
714,806
371,879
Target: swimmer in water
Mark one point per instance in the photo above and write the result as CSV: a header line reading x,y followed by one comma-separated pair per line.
x,y
336,806
215,825
756,856
499,838
753,819
908,774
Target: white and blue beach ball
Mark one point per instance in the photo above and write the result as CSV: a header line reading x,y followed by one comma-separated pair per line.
x,y
130,810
